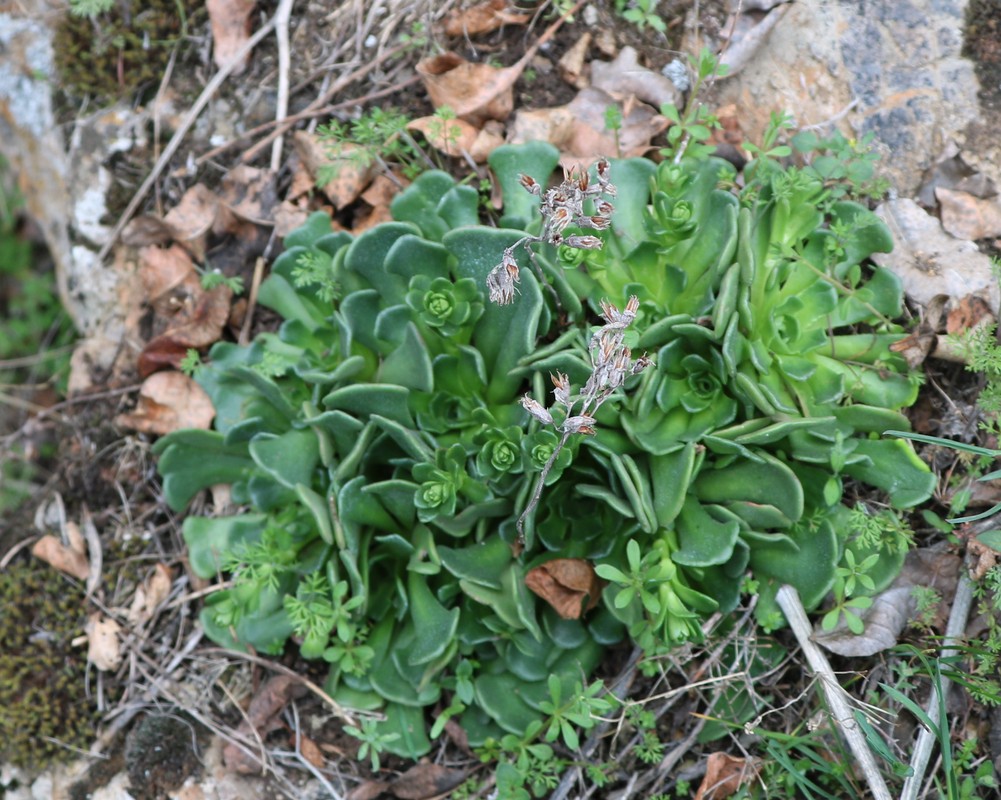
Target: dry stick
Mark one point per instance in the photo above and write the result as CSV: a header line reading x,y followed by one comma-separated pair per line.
x,y
334,88
307,114
940,690
281,18
180,133
792,607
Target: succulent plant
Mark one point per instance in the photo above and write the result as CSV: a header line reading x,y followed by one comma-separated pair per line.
x,y
400,485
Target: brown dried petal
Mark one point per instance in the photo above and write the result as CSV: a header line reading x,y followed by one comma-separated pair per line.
x,y
583,242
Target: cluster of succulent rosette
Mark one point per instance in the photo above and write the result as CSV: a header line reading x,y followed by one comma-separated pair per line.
x,y
392,493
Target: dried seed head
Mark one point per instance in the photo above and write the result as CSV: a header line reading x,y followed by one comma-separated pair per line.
x,y
562,390
501,280
583,242
530,184
579,424
640,364
536,409
598,222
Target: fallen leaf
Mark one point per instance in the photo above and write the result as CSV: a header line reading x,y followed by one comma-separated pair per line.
x,y
624,76
63,557
161,353
367,790
426,780
725,774
569,585
482,18
986,558
231,23
950,171
741,50
193,216
490,137
571,63
475,92
169,401
310,751
163,269
922,341
149,594
351,172
451,137
288,216
929,261
104,648
968,312
146,230
251,193
969,217
263,717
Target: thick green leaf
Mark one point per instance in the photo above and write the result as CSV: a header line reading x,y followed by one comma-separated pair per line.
x,y
192,460
535,159
211,540
670,476
290,458
704,541
481,564
365,399
770,483
435,625
893,466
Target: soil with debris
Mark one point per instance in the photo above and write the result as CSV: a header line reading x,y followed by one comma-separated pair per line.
x,y
170,699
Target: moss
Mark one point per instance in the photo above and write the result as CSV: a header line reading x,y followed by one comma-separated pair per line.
x,y
123,50
41,674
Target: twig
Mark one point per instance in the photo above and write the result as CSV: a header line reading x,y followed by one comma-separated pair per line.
x,y
248,316
789,602
939,690
180,133
281,17
302,115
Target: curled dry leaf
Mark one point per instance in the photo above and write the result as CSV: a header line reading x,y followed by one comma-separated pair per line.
x,y
147,230
569,585
425,780
262,717
251,193
725,774
162,270
967,313
482,18
169,401
351,172
475,92
310,751
969,217
571,63
923,340
64,558
624,76
231,23
153,591
741,50
451,137
104,647
193,216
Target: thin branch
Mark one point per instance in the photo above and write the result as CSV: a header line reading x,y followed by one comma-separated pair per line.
x,y
282,16
789,602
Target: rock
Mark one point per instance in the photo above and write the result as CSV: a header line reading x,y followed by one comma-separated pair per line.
x,y
892,67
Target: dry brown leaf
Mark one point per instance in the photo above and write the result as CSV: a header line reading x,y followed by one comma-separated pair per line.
x,y
382,190
231,23
288,217
163,269
310,751
351,175
475,92
169,401
569,585
968,312
724,776
986,558
153,591
262,717
367,790
571,63
922,341
64,558
451,137
104,648
969,217
624,76
490,137
426,780
251,193
147,230
482,18
554,125
193,216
